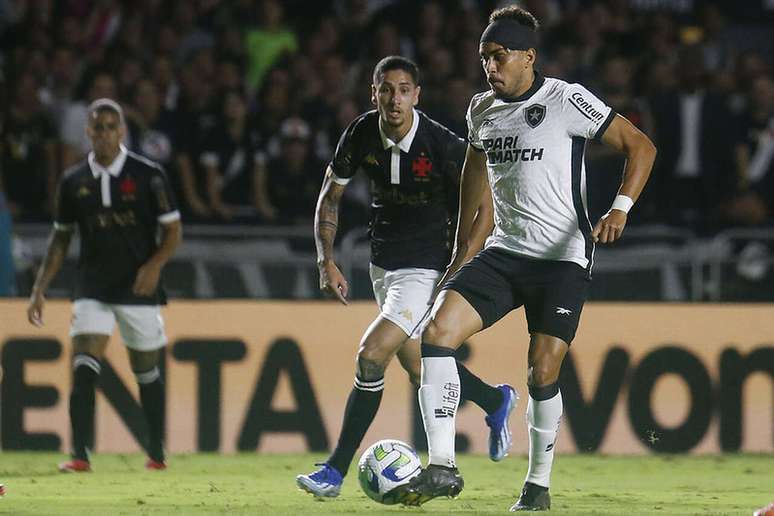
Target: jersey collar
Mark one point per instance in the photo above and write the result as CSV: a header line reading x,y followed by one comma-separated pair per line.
x,y
537,82
405,143
113,169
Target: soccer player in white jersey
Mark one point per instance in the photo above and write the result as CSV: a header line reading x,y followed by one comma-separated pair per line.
x,y
527,134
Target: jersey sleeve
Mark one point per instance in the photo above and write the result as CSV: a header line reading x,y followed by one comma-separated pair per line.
x,y
345,160
454,155
473,137
65,214
163,199
585,114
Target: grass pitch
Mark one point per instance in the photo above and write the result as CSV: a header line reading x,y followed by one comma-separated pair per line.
x,y
265,484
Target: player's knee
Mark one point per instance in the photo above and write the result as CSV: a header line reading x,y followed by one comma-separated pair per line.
x,y
86,369
371,363
438,334
542,372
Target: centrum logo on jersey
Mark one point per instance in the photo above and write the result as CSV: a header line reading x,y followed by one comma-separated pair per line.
x,y
585,107
504,150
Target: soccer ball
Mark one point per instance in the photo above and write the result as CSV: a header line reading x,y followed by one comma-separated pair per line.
x,y
385,467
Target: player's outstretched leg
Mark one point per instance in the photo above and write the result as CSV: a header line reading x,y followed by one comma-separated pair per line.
x,y
497,401
439,398
380,342
362,404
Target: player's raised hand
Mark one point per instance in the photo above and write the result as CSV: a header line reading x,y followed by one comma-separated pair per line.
x,y
35,309
610,227
147,279
332,281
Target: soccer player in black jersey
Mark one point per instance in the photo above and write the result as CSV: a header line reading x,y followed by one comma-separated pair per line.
x,y
117,200
414,166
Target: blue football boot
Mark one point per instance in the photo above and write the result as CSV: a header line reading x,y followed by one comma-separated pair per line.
x,y
325,482
499,434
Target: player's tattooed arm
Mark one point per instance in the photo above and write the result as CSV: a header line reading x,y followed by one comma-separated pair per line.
x,y
58,245
326,222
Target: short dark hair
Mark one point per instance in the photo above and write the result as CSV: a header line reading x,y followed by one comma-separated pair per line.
x,y
517,14
396,63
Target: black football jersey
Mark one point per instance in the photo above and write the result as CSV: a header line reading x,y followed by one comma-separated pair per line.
x,y
115,239
414,201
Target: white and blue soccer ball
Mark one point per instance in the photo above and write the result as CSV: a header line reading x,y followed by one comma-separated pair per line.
x,y
385,467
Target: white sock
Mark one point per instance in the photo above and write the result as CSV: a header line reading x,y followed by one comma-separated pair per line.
x,y
439,397
543,422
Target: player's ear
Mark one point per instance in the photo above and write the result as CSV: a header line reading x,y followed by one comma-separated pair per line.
x,y
530,56
416,95
373,94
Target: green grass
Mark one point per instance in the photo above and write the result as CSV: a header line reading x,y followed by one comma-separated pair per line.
x,y
264,484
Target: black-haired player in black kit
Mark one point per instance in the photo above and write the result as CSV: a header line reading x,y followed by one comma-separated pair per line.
x,y
117,200
414,166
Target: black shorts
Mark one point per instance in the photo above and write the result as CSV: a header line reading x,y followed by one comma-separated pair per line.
x,y
552,292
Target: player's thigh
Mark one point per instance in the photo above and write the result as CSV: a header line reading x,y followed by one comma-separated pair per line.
x,y
381,341
476,297
91,326
406,293
141,326
554,302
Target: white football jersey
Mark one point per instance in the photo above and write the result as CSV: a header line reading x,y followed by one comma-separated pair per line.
x,y
534,147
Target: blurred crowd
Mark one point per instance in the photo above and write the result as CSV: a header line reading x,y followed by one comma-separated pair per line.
x,y
243,101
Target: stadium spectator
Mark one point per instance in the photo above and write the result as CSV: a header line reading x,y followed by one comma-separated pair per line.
x,y
194,51
229,157
752,203
29,165
150,125
291,181
196,117
267,42
60,82
689,129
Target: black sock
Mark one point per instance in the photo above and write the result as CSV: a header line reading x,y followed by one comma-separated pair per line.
x,y
152,397
361,409
86,369
476,390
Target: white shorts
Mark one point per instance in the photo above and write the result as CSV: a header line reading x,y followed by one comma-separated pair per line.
x,y
141,326
403,294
